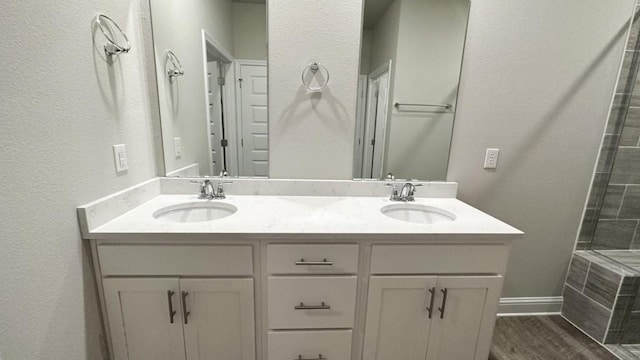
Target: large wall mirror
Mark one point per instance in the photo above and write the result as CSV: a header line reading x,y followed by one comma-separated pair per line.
x,y
211,62
410,61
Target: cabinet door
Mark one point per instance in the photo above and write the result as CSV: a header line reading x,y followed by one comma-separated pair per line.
x,y
398,321
141,325
463,324
218,318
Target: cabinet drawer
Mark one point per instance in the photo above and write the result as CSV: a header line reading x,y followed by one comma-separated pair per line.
x,y
291,345
433,259
297,302
175,260
312,259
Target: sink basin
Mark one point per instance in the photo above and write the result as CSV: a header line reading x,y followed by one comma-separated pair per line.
x,y
417,213
195,212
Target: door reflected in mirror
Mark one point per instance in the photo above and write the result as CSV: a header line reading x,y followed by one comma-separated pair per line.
x,y
211,66
410,61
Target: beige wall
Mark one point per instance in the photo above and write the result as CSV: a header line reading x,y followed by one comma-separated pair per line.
x,y
311,135
537,81
62,107
384,38
418,142
365,52
250,31
177,26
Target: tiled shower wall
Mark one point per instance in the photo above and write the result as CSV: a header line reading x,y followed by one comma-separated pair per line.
x,y
613,210
599,298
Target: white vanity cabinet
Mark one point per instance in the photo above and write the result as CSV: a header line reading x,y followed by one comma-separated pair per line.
x,y
138,311
320,276
164,318
430,317
363,299
414,313
179,302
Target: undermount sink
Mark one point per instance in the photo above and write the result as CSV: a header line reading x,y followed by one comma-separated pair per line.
x,y
417,213
195,212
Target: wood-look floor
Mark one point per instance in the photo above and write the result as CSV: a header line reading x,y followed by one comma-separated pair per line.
x,y
543,338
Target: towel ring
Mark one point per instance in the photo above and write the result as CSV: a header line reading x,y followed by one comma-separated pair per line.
x,y
175,69
112,48
314,67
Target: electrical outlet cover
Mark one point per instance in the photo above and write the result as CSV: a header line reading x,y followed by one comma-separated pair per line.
x,y
120,158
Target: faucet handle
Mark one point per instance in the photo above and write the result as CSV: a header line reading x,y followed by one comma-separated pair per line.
x,y
220,193
201,183
394,192
410,195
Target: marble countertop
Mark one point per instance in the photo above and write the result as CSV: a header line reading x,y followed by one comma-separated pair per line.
x,y
327,215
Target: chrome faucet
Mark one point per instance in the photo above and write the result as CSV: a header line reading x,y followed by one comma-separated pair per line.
x,y
406,193
206,189
209,192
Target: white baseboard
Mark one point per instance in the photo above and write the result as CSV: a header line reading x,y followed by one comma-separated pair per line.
x,y
530,306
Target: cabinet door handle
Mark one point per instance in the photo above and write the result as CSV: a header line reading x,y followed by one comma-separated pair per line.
x,y
444,302
320,357
185,313
322,306
172,312
324,262
432,291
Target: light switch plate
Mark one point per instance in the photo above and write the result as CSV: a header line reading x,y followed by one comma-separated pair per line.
x,y
491,158
120,157
177,147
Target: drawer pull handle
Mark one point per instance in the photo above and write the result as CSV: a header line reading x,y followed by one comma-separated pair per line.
x,y
185,313
172,312
320,357
433,295
322,306
444,302
314,263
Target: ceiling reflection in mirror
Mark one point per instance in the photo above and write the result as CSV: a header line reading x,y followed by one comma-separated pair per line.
x,y
410,61
211,66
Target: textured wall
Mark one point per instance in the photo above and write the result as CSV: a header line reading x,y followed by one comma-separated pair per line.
x,y
365,52
250,31
62,106
537,82
311,135
384,38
